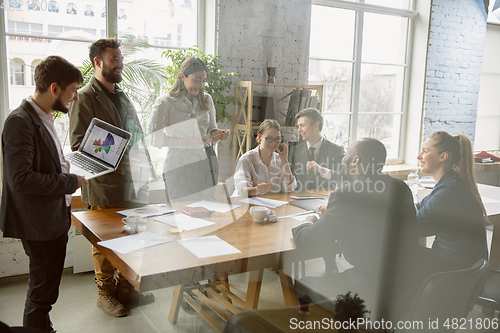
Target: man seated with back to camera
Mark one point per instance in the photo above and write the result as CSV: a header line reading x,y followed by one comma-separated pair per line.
x,y
372,217
315,162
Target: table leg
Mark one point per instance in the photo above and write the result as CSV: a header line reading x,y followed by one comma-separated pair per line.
x,y
253,291
287,287
225,282
176,303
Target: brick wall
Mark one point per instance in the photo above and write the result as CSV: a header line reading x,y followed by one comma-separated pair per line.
x,y
255,34
455,55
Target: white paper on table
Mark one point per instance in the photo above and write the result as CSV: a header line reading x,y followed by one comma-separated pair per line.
x,y
264,202
489,201
303,217
212,205
148,211
135,242
208,246
183,221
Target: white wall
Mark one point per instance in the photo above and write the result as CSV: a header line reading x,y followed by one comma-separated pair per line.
x,y
488,107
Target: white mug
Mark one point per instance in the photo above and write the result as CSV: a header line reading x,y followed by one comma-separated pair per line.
x,y
258,213
133,221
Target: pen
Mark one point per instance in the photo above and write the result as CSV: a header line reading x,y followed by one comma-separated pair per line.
x,y
213,136
253,181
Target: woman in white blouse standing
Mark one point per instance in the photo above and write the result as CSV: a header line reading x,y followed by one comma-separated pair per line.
x,y
191,165
265,168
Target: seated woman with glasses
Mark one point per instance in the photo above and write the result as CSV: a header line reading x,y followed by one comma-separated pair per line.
x,y
265,168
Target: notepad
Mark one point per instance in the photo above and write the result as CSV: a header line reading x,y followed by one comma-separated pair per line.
x,y
212,205
184,221
208,246
270,203
135,242
148,211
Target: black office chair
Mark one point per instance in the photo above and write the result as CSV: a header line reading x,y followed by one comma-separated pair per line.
x,y
448,295
490,295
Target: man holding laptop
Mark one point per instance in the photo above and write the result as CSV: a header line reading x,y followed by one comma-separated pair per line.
x,y
37,185
102,98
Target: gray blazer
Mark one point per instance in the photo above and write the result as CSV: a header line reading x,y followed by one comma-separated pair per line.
x,y
33,203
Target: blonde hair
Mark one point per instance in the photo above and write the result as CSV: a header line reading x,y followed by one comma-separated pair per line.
x,y
265,125
190,66
459,149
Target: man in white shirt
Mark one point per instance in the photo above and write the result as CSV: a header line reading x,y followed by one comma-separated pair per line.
x,y
316,162
37,185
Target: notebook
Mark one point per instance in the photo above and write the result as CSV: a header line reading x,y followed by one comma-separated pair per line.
x,y
309,204
100,151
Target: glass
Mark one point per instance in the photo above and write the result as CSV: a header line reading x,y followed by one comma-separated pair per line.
x,y
332,33
162,23
384,38
381,88
17,72
270,139
401,4
336,128
383,127
35,18
336,78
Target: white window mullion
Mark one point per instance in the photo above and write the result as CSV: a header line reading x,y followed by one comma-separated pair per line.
x,y
356,76
112,18
4,70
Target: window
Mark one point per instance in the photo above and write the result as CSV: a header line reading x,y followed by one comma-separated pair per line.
x,y
174,20
363,69
35,32
32,68
25,28
56,30
17,72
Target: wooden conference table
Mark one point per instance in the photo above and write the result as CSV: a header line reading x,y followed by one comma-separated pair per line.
x,y
261,245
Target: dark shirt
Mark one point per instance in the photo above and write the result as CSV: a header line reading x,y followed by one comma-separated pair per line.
x,y
372,219
452,213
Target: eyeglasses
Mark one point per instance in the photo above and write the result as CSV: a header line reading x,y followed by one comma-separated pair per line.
x,y
270,140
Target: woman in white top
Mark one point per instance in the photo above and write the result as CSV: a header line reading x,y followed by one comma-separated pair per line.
x,y
191,165
265,168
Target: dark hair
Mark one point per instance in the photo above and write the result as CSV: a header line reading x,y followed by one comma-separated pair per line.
x,y
313,115
189,66
372,154
98,48
459,149
267,124
56,69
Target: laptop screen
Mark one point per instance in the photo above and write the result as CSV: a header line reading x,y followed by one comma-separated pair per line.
x,y
105,142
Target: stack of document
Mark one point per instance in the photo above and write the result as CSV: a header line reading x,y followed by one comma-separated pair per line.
x,y
148,211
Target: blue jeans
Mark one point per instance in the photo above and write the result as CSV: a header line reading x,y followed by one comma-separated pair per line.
x,y
45,271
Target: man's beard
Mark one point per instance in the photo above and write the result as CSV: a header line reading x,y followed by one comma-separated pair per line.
x,y
110,75
59,106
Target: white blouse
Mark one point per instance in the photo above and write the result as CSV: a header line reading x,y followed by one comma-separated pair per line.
x,y
169,110
251,167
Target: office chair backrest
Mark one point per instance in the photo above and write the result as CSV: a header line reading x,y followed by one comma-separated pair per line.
x,y
448,295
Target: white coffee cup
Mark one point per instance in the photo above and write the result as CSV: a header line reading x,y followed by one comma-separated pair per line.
x,y
133,221
258,213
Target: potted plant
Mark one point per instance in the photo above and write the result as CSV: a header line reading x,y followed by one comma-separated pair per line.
x,y
218,82
348,308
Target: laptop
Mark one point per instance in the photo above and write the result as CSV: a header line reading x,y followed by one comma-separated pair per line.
x,y
100,151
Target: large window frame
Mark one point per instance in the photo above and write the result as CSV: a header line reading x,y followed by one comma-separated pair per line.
x,y
206,37
360,8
